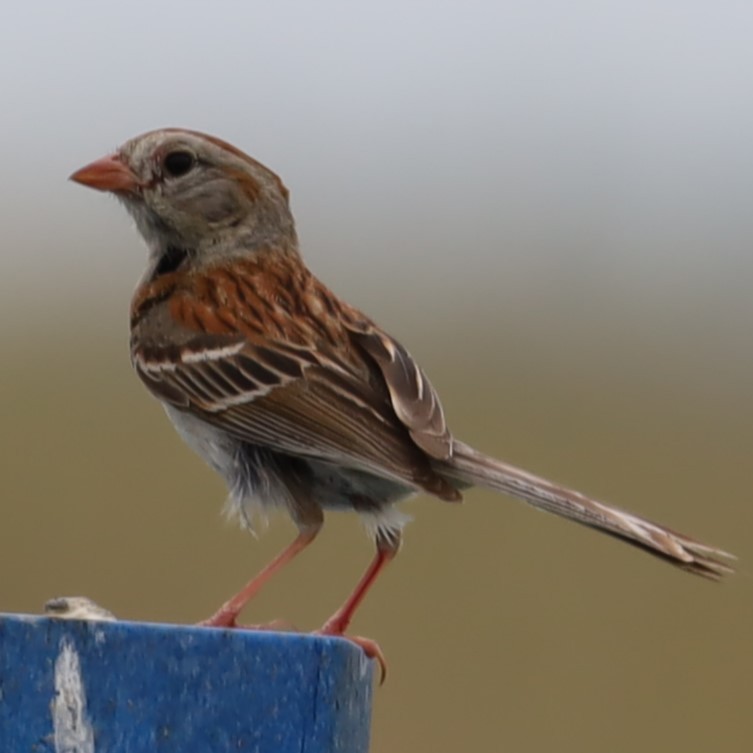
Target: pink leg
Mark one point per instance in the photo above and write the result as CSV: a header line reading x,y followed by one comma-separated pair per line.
x,y
340,620
227,614
338,623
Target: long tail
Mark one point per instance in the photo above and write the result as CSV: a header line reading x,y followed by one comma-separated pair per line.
x,y
472,467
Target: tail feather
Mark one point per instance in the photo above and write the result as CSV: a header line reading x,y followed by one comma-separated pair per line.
x,y
469,466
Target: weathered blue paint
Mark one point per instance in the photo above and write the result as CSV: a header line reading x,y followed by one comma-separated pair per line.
x,y
119,687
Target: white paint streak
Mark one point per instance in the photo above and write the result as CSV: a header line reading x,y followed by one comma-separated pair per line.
x,y
72,731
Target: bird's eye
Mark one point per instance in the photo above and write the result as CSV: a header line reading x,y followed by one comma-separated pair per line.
x,y
178,163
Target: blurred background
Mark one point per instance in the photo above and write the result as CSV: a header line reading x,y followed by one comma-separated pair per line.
x,y
550,205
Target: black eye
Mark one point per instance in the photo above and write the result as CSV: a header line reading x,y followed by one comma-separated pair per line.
x,y
178,163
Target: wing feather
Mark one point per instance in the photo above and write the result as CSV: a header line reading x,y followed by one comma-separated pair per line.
x,y
413,398
273,357
322,408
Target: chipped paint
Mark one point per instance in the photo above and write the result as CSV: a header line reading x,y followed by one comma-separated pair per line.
x,y
73,733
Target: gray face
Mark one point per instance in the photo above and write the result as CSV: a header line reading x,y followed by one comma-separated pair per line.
x,y
201,194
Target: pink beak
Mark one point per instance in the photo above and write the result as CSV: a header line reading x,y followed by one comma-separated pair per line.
x,y
107,174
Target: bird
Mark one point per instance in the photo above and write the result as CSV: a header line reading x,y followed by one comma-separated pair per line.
x,y
297,399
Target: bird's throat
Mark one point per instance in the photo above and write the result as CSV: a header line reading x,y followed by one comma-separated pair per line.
x,y
170,261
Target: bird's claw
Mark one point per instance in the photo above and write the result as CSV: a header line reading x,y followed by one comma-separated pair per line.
x,y
370,647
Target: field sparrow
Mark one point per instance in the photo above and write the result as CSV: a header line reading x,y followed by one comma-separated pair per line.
x,y
298,400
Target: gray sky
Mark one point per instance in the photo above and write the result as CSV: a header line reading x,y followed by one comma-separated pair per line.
x,y
475,149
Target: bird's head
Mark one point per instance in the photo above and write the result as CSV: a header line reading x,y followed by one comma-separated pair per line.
x,y
195,192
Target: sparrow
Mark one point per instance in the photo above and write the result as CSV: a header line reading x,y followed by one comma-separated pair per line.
x,y
297,399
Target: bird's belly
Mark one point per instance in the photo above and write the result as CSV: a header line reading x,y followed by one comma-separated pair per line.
x,y
339,487
256,476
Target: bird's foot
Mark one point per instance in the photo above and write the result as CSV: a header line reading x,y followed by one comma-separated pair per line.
x,y
228,620
370,647
222,618
278,626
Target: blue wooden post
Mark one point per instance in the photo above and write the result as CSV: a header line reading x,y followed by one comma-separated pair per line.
x,y
69,686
